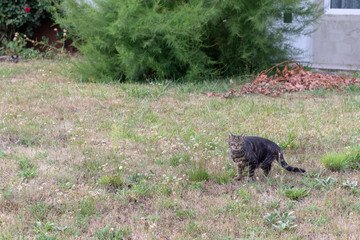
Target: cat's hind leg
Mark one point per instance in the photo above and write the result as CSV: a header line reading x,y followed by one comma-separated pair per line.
x,y
252,168
266,169
266,164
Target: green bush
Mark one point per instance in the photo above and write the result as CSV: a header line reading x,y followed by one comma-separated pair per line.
x,y
136,39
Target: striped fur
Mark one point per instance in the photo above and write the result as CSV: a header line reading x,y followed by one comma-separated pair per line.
x,y
256,152
13,58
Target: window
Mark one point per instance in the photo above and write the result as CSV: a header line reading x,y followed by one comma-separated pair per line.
x,y
342,7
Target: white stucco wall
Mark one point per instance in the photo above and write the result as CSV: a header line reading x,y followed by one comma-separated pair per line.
x,y
336,42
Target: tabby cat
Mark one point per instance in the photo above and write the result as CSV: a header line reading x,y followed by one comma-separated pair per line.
x,y
13,58
256,152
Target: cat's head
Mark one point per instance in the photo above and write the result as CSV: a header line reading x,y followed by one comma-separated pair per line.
x,y
236,142
14,58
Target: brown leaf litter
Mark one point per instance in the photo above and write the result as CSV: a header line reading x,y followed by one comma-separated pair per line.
x,y
295,79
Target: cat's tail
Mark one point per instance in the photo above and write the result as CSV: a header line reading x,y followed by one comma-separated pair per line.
x,y
287,166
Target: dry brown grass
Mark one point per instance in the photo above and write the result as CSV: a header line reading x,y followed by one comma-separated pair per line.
x,y
151,136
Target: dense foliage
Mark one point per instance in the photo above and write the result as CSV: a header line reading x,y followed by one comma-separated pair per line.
x,y
22,16
133,39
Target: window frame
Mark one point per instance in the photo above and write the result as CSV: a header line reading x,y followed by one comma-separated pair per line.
x,y
339,11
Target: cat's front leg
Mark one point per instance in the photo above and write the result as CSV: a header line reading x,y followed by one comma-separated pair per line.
x,y
241,167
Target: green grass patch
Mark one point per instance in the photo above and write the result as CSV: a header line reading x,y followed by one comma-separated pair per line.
x,y
335,161
349,159
112,181
120,161
198,173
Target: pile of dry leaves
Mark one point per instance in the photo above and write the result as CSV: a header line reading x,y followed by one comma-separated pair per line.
x,y
288,80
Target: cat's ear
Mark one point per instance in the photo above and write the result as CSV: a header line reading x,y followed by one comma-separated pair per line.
x,y
230,135
242,136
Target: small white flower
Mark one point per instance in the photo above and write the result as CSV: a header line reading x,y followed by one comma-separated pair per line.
x,y
121,167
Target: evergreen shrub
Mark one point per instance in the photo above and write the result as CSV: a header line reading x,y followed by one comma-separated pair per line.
x,y
137,39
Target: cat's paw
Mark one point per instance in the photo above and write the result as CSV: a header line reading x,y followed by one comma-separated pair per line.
x,y
239,178
251,179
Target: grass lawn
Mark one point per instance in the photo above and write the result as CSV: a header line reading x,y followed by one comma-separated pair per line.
x,y
150,161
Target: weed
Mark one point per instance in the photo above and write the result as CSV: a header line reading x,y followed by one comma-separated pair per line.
x,y
112,181
290,142
281,221
7,193
109,233
326,183
28,169
185,213
39,227
296,193
313,174
352,186
87,207
29,141
197,186
320,221
244,195
274,204
349,184
137,177
354,158
231,207
40,210
180,158
223,178
86,210
142,189
66,185
192,227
